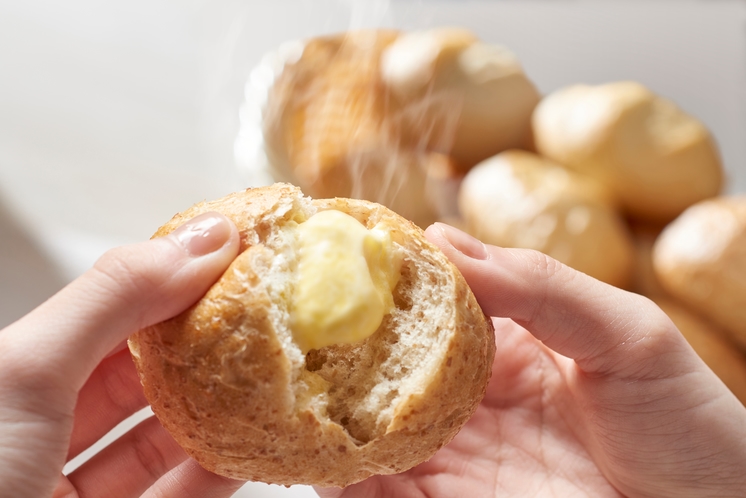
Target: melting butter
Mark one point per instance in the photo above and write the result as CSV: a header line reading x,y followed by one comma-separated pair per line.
x,y
347,274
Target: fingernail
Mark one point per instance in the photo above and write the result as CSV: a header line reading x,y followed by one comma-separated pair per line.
x,y
203,234
463,242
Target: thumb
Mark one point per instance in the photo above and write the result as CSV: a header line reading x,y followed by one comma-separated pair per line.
x,y
604,329
129,288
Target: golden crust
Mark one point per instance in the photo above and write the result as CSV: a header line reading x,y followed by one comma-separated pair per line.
x,y
700,259
656,158
223,383
518,199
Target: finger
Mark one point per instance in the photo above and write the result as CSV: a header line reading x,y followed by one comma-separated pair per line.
x,y
602,328
398,485
131,464
189,480
129,288
112,394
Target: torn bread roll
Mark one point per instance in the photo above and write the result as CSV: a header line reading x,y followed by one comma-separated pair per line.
x,y
377,115
459,95
700,258
711,344
518,199
657,159
339,344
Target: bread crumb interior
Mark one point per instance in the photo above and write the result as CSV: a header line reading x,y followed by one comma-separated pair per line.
x,y
359,386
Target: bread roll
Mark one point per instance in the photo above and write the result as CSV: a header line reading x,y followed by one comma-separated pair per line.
x,y
518,199
461,96
230,381
700,258
329,128
644,281
381,115
657,159
712,345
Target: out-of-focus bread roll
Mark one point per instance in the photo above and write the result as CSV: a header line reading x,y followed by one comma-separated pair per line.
x,y
712,345
657,159
700,258
394,118
328,128
262,379
461,96
518,199
644,281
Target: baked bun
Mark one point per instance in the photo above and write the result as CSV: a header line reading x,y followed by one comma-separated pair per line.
x,y
380,115
700,258
473,97
711,344
329,128
657,159
232,383
518,199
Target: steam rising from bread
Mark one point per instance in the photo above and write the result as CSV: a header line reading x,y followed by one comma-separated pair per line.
x,y
370,114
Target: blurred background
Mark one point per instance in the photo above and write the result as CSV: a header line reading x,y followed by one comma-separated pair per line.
x,y
116,115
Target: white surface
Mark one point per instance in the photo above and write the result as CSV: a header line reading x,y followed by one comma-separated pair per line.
x,y
115,115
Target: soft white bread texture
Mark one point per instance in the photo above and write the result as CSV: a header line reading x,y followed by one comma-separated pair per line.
x,y
380,115
228,381
700,258
518,199
657,159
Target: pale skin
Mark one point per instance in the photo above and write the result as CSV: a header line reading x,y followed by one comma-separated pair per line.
x,y
594,392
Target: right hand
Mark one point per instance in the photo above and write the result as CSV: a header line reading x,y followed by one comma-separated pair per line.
x,y
594,393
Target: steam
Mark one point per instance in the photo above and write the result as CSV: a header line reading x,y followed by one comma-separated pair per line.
x,y
249,147
395,147
367,13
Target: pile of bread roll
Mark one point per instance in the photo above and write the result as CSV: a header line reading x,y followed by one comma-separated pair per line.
x,y
612,180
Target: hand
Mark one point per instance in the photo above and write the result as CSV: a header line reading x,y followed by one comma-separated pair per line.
x,y
594,393
66,377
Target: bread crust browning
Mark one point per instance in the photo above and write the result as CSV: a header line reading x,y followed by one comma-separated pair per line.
x,y
224,379
657,159
700,259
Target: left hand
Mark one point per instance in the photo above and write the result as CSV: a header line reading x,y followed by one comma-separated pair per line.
x,y
67,378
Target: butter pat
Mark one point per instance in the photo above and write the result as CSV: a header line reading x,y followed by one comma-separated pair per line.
x,y
346,277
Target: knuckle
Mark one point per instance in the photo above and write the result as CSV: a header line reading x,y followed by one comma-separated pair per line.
x,y
544,267
20,362
29,384
124,275
150,456
116,267
651,346
121,388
